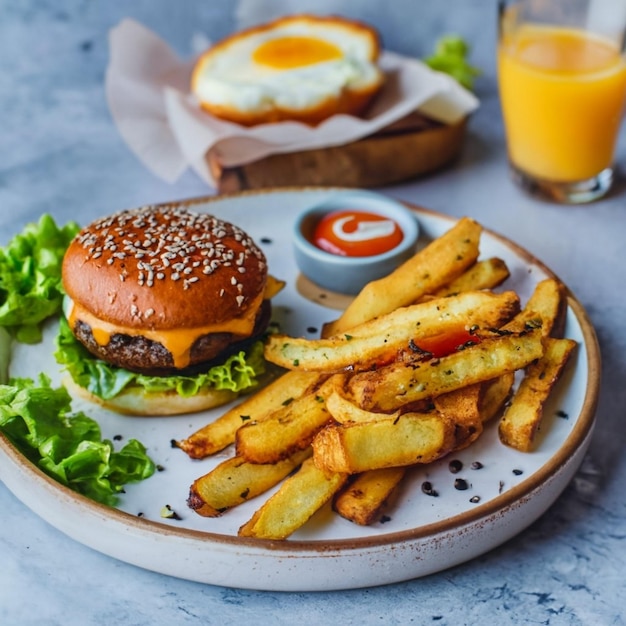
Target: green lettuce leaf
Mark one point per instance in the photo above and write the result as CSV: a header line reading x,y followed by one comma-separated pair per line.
x,y
240,372
68,446
30,277
450,57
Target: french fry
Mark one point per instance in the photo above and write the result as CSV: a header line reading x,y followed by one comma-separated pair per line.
x,y
546,306
486,274
343,411
285,431
436,265
235,481
295,502
462,406
406,440
494,394
395,385
522,417
385,336
220,433
363,499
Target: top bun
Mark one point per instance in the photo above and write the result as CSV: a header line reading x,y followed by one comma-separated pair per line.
x,y
298,68
163,268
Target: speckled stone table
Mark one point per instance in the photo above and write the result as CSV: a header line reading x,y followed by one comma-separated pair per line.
x,y
61,153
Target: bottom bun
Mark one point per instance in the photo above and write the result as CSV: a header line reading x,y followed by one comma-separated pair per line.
x,y
142,404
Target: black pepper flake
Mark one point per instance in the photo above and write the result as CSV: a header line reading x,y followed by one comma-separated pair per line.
x,y
173,443
140,514
461,484
266,240
562,414
117,437
455,466
311,329
427,488
475,499
384,519
476,465
160,468
518,472
245,493
500,486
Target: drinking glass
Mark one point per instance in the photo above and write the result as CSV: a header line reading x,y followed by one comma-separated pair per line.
x,y
562,83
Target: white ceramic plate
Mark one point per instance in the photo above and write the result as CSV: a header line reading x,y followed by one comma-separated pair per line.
x,y
421,535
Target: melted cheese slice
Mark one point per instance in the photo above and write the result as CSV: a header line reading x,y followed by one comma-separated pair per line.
x,y
177,341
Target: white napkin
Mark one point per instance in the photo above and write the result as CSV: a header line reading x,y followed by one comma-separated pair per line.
x,y
147,89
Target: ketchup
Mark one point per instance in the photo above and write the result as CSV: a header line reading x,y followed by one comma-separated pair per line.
x,y
447,343
356,233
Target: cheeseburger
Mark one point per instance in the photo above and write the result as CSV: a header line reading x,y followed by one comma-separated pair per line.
x,y
164,311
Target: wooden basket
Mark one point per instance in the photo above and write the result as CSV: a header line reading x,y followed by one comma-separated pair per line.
x,y
413,146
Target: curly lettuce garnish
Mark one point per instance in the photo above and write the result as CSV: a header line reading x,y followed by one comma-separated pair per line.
x,y
30,277
67,446
451,57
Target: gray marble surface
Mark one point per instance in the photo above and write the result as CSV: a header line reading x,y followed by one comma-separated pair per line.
x,y
60,153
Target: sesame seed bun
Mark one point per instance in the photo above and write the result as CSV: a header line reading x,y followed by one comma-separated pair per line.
x,y
163,268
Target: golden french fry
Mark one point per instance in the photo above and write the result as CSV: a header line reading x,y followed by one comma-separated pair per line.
x,y
522,417
494,394
285,431
295,502
363,499
406,440
546,307
398,384
385,336
462,406
486,274
235,481
436,265
219,434
343,410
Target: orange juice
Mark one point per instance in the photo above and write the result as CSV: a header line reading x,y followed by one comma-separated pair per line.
x,y
562,92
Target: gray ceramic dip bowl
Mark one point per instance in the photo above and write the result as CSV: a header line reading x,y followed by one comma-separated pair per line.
x,y
349,274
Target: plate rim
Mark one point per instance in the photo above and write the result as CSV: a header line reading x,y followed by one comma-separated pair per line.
x,y
579,434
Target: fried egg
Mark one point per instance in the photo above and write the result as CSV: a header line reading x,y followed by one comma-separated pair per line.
x,y
302,68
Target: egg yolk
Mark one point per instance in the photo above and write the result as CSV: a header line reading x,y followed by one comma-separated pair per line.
x,y
356,233
286,53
